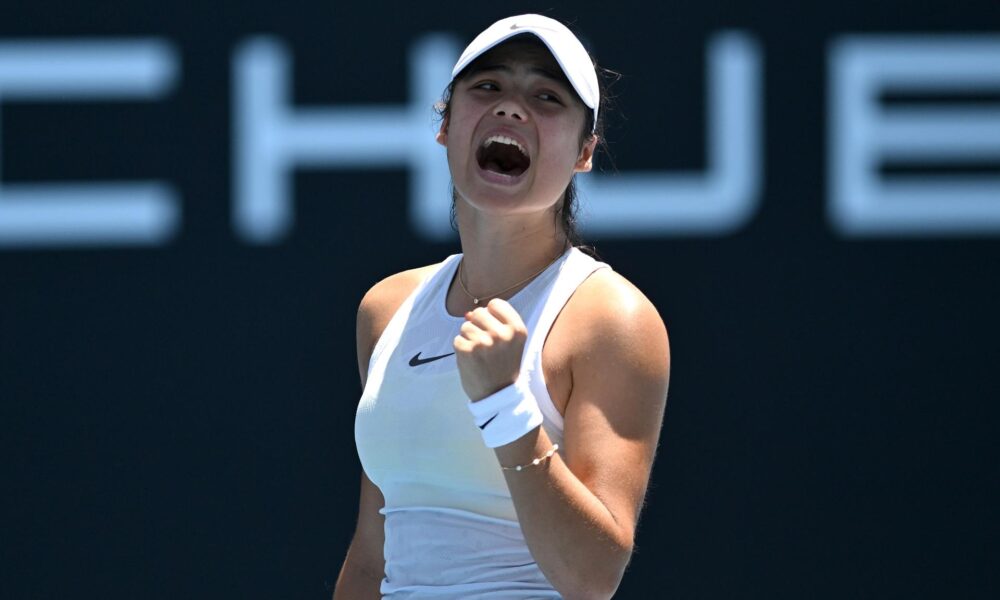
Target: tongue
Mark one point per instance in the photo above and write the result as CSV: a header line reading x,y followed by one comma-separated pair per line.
x,y
504,169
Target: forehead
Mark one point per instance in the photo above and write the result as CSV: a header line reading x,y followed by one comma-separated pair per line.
x,y
524,49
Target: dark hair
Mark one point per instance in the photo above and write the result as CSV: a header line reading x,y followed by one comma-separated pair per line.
x,y
566,212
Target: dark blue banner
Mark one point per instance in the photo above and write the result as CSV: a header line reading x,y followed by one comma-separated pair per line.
x,y
194,199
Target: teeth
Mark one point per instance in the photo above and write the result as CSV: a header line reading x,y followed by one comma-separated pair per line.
x,y
502,139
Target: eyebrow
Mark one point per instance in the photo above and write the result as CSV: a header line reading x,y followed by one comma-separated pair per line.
x,y
546,73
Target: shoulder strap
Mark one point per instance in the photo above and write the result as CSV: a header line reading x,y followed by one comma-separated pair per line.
x,y
574,271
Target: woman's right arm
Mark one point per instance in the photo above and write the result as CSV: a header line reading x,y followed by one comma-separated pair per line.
x,y
363,569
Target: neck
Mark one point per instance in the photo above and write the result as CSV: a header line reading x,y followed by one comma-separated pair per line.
x,y
501,251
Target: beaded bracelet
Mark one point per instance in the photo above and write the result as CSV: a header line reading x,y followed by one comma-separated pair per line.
x,y
535,462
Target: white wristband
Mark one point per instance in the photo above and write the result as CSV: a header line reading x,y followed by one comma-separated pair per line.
x,y
507,414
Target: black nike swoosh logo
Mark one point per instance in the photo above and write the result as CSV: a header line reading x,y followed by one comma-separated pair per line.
x,y
416,361
483,426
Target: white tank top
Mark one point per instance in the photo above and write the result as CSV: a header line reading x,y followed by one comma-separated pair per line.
x,y
450,526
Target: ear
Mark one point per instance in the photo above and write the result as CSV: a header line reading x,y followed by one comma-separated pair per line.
x,y
585,162
442,134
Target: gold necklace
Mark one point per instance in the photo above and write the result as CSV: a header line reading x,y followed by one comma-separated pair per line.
x,y
476,299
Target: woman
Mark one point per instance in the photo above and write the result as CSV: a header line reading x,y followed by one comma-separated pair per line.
x,y
513,394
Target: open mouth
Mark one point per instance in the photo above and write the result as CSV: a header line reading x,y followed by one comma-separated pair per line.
x,y
503,155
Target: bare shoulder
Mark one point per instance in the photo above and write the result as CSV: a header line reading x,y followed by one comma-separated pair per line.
x,y
380,303
384,298
614,323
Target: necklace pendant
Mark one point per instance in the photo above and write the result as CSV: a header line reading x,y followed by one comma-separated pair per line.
x,y
475,301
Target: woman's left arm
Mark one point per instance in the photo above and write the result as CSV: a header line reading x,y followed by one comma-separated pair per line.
x,y
578,511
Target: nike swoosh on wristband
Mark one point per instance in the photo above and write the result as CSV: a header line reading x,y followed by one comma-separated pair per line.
x,y
416,361
483,426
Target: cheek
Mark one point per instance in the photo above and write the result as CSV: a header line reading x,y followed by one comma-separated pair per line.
x,y
564,149
459,124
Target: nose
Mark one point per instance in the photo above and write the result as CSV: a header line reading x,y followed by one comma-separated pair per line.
x,y
509,108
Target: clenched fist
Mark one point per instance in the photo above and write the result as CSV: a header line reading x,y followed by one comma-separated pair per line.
x,y
488,350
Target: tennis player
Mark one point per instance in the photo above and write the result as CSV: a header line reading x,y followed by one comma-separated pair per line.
x,y
513,394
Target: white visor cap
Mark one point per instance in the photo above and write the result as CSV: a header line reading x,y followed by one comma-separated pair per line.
x,y
567,50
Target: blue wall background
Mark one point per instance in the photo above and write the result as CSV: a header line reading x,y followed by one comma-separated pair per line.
x,y
176,415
